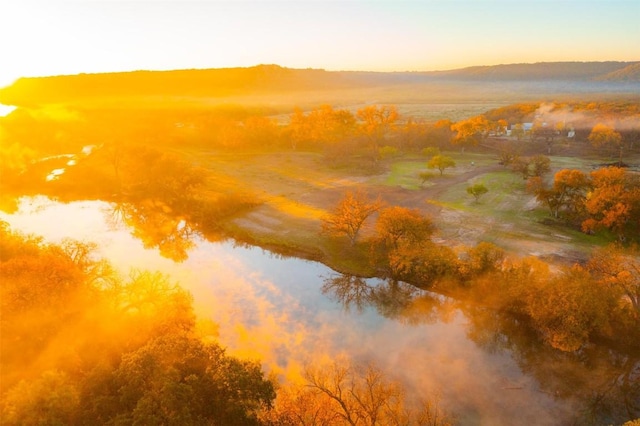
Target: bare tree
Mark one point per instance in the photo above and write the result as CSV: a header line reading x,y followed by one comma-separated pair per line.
x,y
348,216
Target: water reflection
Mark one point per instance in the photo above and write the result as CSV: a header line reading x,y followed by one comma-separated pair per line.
x,y
391,298
488,367
154,223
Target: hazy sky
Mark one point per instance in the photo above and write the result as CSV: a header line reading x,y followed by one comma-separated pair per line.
x,y
53,37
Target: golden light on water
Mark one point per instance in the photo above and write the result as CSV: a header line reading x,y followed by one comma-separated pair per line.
x,y
6,109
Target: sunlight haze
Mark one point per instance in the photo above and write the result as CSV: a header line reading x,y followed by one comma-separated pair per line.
x,y
50,38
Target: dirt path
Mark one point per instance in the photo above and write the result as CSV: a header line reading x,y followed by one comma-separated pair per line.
x,y
416,199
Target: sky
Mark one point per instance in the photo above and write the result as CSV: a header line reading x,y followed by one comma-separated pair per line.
x,y
49,37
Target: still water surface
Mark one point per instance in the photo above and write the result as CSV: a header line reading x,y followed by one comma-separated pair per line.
x,y
275,309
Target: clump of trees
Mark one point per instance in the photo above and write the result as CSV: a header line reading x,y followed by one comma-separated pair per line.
x,y
607,198
82,345
567,309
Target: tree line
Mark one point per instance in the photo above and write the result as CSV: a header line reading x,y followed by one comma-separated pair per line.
x,y
370,134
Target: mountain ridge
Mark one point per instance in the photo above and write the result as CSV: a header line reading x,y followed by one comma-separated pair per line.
x,y
265,79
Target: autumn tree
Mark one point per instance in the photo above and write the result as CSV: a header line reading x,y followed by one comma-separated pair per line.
x,y
299,128
82,350
618,268
520,165
438,134
568,308
545,133
540,165
422,264
508,153
411,133
568,193
477,190
441,162
150,173
536,166
260,132
345,393
485,257
517,131
614,202
348,216
603,136
375,124
470,132
178,379
400,225
324,127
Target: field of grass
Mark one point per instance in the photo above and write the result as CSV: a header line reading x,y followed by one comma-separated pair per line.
x,y
296,189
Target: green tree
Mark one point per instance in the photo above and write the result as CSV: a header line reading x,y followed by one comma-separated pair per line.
x,y
348,216
477,190
441,162
424,177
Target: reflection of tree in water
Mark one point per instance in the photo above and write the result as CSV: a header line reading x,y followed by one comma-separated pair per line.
x,y
392,299
602,382
350,290
156,225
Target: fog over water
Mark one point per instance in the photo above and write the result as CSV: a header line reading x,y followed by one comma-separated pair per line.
x,y
274,309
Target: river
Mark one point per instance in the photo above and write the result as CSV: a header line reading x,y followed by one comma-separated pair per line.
x,y
288,312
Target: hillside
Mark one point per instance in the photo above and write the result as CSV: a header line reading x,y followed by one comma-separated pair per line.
x,y
628,73
556,77
580,71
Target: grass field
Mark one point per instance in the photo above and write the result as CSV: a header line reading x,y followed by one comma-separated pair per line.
x,y
296,189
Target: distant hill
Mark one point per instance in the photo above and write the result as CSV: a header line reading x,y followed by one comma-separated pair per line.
x,y
271,79
628,73
581,71
195,82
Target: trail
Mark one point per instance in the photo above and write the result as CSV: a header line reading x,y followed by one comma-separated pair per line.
x,y
417,199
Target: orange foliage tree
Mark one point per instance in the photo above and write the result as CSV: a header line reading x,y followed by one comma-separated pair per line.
x,y
348,216
614,202
470,132
605,136
375,124
567,194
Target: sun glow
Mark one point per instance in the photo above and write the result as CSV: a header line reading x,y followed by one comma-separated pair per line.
x,y
6,110
56,38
